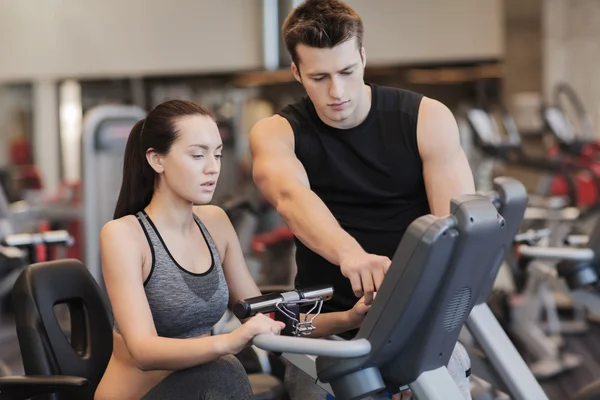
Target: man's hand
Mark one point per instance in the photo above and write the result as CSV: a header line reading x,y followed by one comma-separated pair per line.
x,y
365,272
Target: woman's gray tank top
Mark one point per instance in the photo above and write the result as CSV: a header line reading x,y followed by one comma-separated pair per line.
x,y
183,304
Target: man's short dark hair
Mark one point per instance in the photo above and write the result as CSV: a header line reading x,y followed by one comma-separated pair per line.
x,y
321,24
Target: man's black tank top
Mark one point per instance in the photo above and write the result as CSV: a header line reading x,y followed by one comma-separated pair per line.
x,y
370,177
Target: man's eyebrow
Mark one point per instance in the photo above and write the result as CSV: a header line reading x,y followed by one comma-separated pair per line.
x,y
312,74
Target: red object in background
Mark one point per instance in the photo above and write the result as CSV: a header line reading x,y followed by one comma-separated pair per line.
x,y
41,251
20,151
70,193
27,177
75,251
587,186
261,242
586,189
25,174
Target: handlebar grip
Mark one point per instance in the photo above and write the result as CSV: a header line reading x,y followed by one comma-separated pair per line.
x,y
557,253
57,237
324,292
268,302
315,347
30,239
261,304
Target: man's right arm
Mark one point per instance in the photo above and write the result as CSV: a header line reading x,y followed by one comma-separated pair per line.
x,y
282,179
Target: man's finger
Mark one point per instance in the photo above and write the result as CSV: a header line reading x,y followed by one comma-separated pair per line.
x,y
378,276
356,285
386,264
368,287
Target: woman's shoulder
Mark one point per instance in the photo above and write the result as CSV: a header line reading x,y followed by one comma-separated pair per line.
x,y
126,227
211,213
216,221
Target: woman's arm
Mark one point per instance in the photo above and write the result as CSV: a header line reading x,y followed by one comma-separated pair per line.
x,y
122,259
242,285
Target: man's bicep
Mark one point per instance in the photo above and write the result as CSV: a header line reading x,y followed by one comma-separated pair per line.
x,y
446,170
279,169
274,163
446,178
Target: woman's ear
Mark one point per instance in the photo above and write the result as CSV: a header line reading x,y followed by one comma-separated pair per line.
x,y
155,160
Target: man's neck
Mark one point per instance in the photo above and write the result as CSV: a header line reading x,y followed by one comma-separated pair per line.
x,y
360,113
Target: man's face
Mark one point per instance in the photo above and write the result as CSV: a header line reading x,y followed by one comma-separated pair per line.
x,y
333,79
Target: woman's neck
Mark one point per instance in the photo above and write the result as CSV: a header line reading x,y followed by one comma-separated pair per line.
x,y
171,212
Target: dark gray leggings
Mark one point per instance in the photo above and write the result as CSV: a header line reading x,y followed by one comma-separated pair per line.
x,y
222,379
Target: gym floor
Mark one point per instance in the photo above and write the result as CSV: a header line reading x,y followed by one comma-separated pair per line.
x,y
587,346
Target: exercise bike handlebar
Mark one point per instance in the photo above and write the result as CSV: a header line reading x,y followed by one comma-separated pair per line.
x,y
315,347
532,235
60,237
577,240
268,302
538,213
556,253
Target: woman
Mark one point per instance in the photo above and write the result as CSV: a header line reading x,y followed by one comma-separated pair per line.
x,y
172,268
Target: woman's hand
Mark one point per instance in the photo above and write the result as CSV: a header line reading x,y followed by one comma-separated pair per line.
x,y
259,324
403,395
358,312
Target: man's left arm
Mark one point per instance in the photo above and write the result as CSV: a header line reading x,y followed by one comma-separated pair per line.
x,y
446,170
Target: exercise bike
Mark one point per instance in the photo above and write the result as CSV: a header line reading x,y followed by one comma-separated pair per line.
x,y
409,333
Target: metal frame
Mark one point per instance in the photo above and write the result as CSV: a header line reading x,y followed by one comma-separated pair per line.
x,y
92,121
503,355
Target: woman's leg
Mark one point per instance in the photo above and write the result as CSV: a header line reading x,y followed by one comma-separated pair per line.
x,y
221,379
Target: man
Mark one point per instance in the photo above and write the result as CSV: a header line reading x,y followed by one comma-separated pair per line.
x,y
351,165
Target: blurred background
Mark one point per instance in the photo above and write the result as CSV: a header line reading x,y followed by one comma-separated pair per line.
x,y
520,75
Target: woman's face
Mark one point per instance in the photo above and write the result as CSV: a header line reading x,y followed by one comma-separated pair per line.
x,y
191,168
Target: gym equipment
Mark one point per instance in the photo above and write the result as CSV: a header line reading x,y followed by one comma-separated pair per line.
x,y
440,270
573,137
534,287
269,251
19,249
571,269
577,262
106,129
286,307
580,267
499,138
508,367
16,251
526,311
570,139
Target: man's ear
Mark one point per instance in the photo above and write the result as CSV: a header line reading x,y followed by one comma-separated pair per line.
x,y
296,72
155,160
363,55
